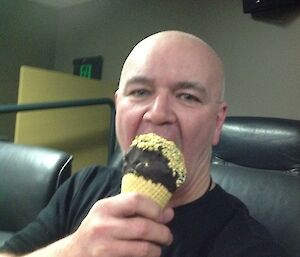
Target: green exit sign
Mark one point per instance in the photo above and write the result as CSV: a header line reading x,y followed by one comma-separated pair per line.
x,y
86,70
88,67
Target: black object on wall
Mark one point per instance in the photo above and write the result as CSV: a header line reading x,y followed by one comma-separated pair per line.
x,y
253,6
88,67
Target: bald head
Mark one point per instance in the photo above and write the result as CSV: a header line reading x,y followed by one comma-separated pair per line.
x,y
176,51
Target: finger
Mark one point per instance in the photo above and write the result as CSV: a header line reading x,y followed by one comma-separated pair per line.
x,y
137,228
132,204
166,215
136,248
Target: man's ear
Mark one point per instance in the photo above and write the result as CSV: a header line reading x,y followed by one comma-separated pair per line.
x,y
221,115
116,95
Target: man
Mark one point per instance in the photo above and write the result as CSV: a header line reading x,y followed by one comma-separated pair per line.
x,y
172,83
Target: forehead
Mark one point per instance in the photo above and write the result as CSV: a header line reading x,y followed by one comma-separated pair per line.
x,y
171,60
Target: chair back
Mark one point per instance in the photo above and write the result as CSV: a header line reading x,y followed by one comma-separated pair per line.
x,y
258,161
29,176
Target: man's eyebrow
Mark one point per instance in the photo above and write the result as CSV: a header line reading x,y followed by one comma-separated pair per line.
x,y
192,85
139,80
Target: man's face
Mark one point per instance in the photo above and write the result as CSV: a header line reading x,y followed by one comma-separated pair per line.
x,y
172,92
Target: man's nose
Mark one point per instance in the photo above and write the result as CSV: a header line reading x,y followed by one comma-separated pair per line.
x,y
160,111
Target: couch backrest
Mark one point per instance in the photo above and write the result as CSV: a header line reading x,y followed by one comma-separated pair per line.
x,y
29,177
258,160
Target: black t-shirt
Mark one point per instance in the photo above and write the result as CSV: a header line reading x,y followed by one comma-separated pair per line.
x,y
215,225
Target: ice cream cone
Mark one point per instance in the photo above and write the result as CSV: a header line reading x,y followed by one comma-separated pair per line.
x,y
153,167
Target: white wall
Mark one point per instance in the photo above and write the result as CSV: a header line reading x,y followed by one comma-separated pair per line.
x,y
27,36
261,55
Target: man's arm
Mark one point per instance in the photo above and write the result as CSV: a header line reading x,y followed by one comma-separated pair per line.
x,y
123,225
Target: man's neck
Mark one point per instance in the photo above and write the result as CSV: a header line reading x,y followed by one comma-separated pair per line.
x,y
196,185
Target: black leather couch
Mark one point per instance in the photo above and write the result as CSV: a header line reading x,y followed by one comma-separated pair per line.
x,y
29,176
258,160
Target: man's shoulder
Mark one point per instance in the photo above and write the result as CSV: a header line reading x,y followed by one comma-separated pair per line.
x,y
243,235
94,178
94,171
92,174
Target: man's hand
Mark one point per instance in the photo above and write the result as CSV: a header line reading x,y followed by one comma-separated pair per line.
x,y
127,225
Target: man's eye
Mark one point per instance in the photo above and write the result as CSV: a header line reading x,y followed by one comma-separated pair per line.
x,y
188,97
139,93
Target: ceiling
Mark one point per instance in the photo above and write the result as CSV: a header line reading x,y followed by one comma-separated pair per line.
x,y
59,4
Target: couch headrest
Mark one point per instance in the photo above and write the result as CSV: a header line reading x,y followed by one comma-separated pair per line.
x,y
263,143
29,177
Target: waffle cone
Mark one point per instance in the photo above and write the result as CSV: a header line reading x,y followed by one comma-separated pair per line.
x,y
156,191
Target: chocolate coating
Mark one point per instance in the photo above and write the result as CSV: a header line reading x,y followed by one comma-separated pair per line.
x,y
151,165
